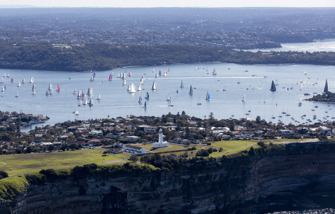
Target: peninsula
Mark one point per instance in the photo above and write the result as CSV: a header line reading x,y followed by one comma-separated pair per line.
x,y
326,96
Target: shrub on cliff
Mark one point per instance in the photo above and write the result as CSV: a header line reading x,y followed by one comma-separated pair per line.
x,y
83,171
203,153
36,178
3,174
167,162
10,187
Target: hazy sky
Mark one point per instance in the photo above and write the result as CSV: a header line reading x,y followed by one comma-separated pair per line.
x,y
170,3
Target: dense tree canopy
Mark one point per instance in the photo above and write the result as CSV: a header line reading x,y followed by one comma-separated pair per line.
x,y
104,57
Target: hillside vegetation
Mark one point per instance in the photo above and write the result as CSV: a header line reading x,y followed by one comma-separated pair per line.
x,y
41,56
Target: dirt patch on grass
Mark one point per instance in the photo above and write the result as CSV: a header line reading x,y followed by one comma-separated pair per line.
x,y
113,161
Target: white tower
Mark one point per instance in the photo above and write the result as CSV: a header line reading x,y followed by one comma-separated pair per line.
x,y
160,136
160,142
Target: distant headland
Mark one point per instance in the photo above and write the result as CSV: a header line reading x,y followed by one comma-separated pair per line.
x,y
326,96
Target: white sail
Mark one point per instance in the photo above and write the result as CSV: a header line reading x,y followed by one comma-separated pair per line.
x,y
154,86
132,88
19,84
31,80
139,87
99,97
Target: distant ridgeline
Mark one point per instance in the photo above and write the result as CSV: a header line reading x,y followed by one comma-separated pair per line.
x,y
326,96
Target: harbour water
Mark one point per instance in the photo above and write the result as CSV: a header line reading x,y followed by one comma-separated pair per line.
x,y
227,88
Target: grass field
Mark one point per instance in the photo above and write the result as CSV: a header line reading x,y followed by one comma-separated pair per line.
x,y
171,147
34,162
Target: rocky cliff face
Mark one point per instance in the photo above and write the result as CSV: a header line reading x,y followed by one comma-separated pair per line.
x,y
298,176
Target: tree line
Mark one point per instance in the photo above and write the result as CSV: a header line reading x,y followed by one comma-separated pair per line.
x,y
42,56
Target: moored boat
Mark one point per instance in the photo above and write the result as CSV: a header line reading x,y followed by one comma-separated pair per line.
x,y
273,87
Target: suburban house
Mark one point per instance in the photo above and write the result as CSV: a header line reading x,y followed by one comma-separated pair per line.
x,y
134,150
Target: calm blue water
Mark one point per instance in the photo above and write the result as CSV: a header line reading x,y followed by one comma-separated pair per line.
x,y
226,89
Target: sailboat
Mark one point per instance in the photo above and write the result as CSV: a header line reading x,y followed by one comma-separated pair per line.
x,y
99,97
147,96
85,102
139,87
110,77
19,84
31,80
33,87
273,87
208,96
131,88
90,92
79,95
76,112
140,100
92,78
154,86
23,81
90,103
124,81
142,80
214,72
243,99
58,88
191,90
182,84
3,89
145,105
169,98
50,90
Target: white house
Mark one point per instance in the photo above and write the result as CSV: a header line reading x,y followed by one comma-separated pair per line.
x,y
160,142
134,150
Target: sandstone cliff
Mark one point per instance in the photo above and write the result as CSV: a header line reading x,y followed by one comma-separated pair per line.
x,y
295,176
